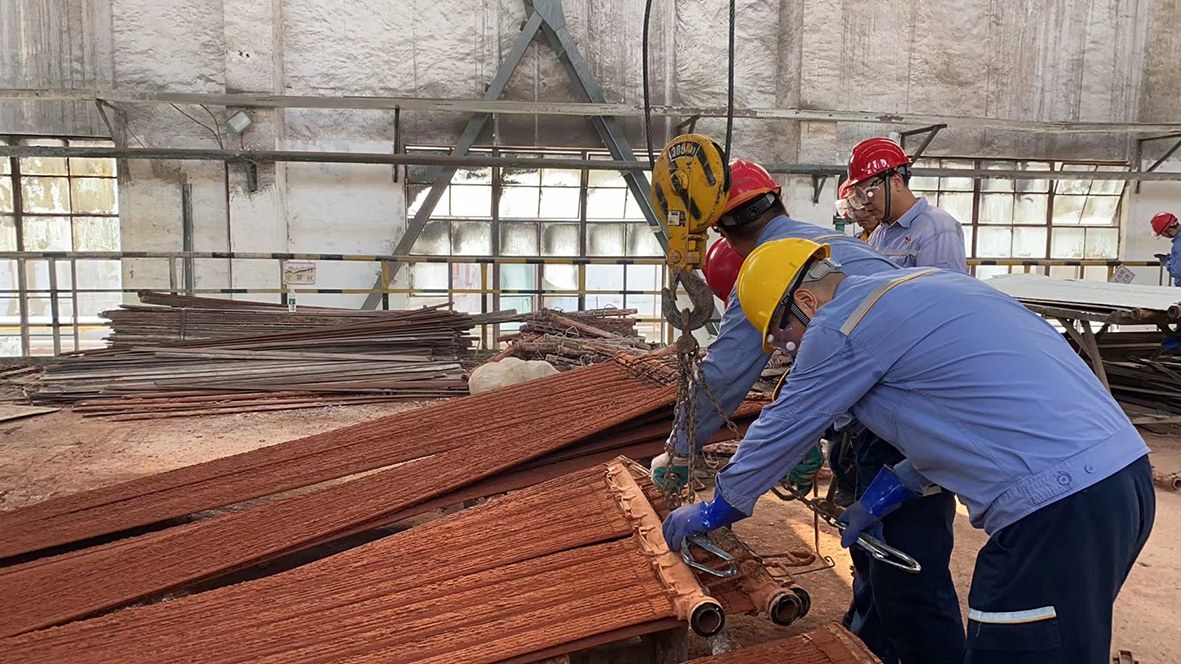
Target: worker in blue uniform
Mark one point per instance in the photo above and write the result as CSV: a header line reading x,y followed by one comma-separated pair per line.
x,y
918,620
985,399
754,214
912,232
1165,224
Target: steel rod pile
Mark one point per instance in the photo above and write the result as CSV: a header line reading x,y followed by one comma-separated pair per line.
x,y
185,356
577,338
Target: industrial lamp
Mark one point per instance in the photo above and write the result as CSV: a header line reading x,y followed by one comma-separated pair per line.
x,y
238,123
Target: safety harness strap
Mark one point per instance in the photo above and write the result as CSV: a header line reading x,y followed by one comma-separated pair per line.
x,y
872,299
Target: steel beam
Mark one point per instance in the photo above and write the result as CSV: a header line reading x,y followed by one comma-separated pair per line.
x,y
554,29
818,187
1165,157
930,136
1139,155
467,139
247,100
474,161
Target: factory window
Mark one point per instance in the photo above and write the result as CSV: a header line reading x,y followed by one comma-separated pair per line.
x,y
554,213
57,204
1031,218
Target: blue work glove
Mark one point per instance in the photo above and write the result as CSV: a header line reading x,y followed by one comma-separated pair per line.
x,y
857,520
803,476
674,470
1171,344
885,494
698,518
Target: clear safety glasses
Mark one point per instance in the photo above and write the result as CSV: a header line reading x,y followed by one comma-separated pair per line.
x,y
860,194
843,209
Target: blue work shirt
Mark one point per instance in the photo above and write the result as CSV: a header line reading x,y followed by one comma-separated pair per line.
x,y
925,236
984,398
1173,264
735,360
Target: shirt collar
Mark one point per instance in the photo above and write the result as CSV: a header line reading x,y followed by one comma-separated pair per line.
x,y
915,210
772,227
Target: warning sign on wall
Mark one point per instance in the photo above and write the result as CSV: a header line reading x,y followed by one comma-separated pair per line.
x,y
301,273
1121,275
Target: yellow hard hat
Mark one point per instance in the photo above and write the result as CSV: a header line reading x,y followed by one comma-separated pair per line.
x,y
768,273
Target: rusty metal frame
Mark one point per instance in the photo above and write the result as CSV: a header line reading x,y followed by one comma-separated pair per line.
x,y
1156,164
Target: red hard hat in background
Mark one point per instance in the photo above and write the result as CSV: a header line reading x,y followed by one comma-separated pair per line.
x,y
748,180
1161,222
874,156
722,264
842,205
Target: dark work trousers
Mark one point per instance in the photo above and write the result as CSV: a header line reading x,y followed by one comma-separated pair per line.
x,y
862,617
1044,587
916,615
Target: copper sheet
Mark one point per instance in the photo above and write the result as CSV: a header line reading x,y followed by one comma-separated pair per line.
x,y
550,565
75,585
586,395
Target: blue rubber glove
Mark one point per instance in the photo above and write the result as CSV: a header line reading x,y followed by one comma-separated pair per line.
x,y
885,494
698,518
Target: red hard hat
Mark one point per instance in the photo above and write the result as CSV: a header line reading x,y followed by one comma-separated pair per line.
x,y
722,264
874,156
1161,222
748,180
842,205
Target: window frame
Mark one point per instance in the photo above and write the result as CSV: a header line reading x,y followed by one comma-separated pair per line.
x,y
1053,195
71,320
585,220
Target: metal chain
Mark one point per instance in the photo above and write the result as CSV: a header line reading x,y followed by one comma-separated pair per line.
x,y
718,406
684,413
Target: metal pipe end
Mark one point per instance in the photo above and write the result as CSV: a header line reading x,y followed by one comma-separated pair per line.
x,y
707,618
789,606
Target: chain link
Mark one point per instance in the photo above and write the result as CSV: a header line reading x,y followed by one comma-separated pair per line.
x,y
713,400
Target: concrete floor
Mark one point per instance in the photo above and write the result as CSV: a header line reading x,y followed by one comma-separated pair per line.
x,y
61,453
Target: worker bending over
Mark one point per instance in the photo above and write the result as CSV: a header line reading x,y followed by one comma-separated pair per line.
x,y
984,398
918,620
754,214
1165,224
912,232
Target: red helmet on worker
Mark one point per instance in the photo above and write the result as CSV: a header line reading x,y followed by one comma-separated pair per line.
x,y
842,204
1162,221
875,156
747,199
748,180
722,264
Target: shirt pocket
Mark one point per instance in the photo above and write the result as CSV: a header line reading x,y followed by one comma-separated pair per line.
x,y
902,257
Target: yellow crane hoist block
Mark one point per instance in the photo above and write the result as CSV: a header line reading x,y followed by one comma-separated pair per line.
x,y
689,186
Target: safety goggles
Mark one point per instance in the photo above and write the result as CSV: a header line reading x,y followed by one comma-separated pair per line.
x,y
860,194
779,335
843,209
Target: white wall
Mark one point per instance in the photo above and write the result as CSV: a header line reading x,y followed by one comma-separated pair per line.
x,y
1050,60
